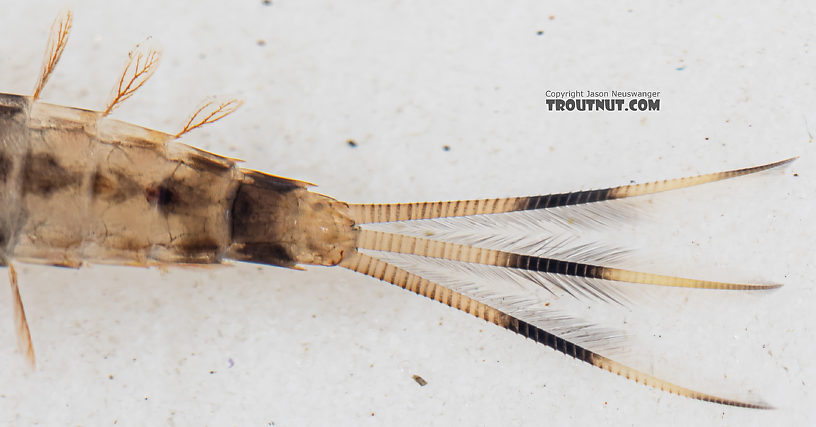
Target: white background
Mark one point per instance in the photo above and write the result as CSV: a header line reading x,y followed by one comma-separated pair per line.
x,y
249,345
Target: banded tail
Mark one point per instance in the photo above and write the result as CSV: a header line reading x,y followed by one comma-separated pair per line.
x,y
507,314
388,242
382,270
376,213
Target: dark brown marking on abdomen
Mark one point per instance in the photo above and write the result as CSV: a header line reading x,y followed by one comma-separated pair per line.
x,y
7,111
263,253
43,175
11,105
160,195
199,244
203,163
194,249
5,167
3,243
114,186
177,196
271,182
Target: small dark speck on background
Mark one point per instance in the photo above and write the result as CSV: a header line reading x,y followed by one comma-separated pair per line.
x,y
267,2
261,42
680,68
795,174
551,17
419,380
446,147
352,143
706,138
212,372
230,362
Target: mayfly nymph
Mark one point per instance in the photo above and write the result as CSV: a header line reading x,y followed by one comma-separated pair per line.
x,y
79,187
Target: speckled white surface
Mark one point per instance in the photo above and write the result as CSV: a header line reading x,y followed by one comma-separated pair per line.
x,y
267,346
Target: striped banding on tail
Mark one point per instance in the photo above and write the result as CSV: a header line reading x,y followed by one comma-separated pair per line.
x,y
388,242
382,270
376,213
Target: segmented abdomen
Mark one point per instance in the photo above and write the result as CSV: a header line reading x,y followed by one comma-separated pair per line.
x,y
75,186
